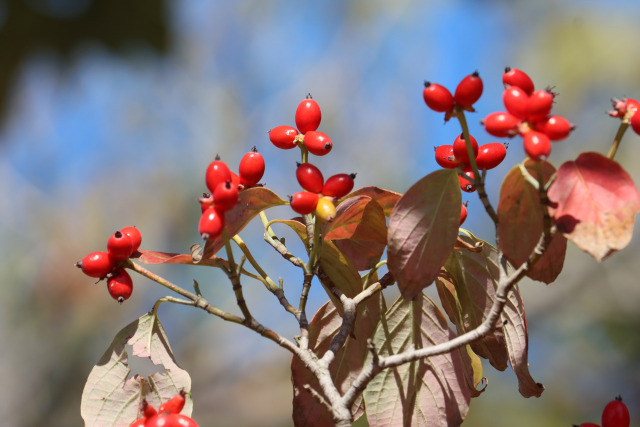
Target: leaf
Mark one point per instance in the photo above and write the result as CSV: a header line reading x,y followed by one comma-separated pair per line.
x,y
346,366
429,392
341,271
360,231
423,229
387,199
251,202
111,398
520,224
594,203
517,337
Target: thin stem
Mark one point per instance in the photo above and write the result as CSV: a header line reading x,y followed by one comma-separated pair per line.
x,y
270,284
617,139
173,300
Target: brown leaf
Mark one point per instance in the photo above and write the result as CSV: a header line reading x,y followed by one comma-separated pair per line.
x,y
387,199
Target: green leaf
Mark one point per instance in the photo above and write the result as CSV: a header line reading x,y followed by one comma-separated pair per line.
x,y
343,274
432,392
423,229
346,366
387,199
111,397
520,224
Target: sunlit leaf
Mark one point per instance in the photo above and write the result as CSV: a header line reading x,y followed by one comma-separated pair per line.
x,y
387,199
430,392
520,225
343,274
423,229
348,362
594,203
112,397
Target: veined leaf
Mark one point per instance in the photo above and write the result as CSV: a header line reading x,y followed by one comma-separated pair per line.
x,y
387,199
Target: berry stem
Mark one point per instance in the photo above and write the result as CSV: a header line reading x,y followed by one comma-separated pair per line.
x,y
618,138
270,284
173,300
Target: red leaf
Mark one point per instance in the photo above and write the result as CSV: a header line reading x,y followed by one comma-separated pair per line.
x,y
520,224
594,203
423,228
385,198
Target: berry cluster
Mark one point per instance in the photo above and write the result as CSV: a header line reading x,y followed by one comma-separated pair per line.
x,y
307,118
167,415
625,110
104,265
319,195
468,91
225,187
615,414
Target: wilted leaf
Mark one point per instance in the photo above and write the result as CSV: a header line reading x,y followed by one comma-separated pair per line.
x,y
432,392
594,203
385,198
360,231
423,229
344,369
520,224
111,398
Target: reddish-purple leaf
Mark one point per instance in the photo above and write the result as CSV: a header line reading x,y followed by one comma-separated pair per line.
x,y
387,199
423,229
594,203
432,392
346,366
520,225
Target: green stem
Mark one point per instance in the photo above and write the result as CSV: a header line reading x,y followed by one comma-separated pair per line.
x,y
270,284
618,138
173,300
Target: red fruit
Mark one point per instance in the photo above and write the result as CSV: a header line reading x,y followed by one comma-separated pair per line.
x,y
490,155
136,237
460,149
308,115
159,420
217,172
235,181
635,122
120,285
516,102
501,124
437,97
251,168
445,157
283,137
518,78
225,197
211,223
140,422
120,246
317,143
615,414
97,264
463,213
310,177
339,185
539,104
205,201
468,90
304,202
587,425
555,127
175,404
622,107
179,420
537,145
467,184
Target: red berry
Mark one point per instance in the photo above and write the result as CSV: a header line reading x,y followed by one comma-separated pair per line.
x,y
180,420
217,172
501,124
518,78
235,181
140,422
175,404
467,184
283,137
622,107
251,168
490,155
304,202
205,201
225,197
587,425
136,236
211,223
120,246
310,177
635,122
463,213
516,102
97,264
317,143
555,127
445,157
615,414
339,185
539,104
537,145
308,115
460,149
158,420
120,285
437,97
468,90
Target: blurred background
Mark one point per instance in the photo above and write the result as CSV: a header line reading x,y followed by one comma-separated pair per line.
x,y
111,110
